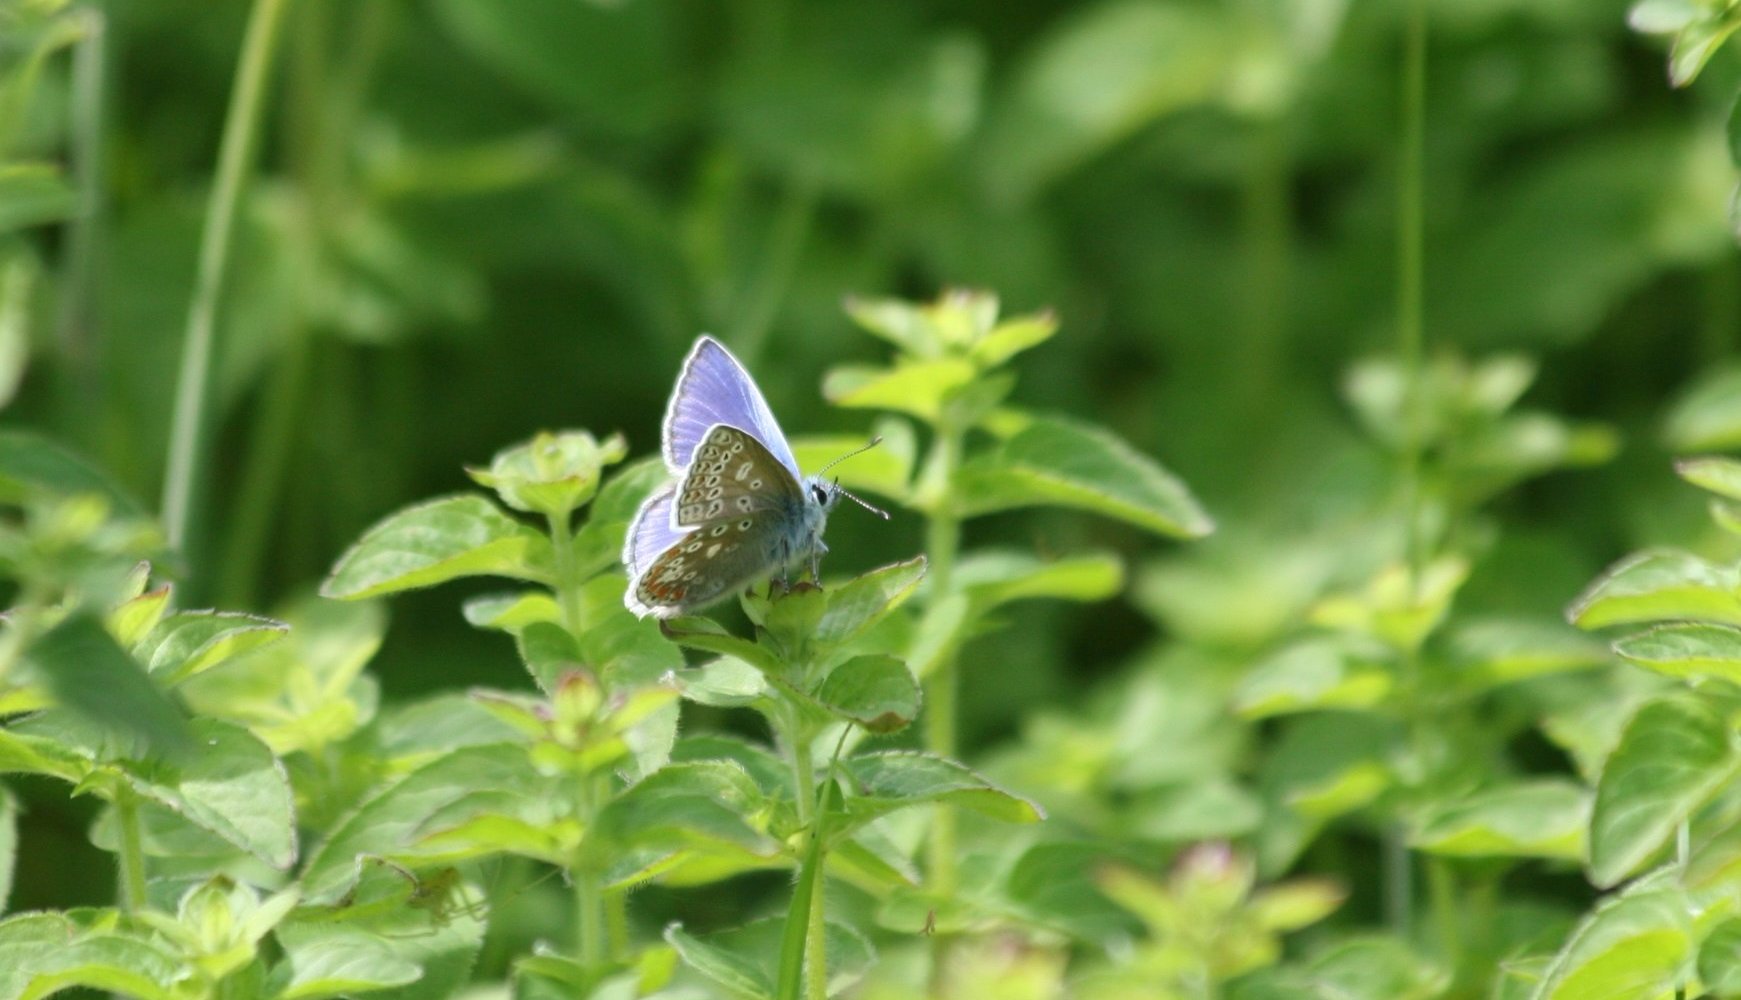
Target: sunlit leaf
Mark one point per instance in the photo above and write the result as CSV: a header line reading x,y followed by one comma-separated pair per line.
x,y
1673,755
877,692
897,779
1658,585
1533,819
1057,462
187,643
438,541
1686,650
1632,946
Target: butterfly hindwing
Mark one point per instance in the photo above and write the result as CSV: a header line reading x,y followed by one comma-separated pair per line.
x,y
732,476
716,558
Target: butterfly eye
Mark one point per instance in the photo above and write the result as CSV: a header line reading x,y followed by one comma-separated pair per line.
x,y
820,492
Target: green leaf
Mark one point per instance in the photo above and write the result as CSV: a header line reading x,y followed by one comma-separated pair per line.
x,y
24,753
1721,476
1696,44
708,636
903,324
1492,652
877,692
895,779
552,474
622,648
886,469
1686,650
864,600
437,541
598,544
34,461
93,676
919,388
44,953
697,804
726,682
1672,757
1632,946
396,818
741,973
1312,675
1011,337
191,642
1707,417
1720,959
137,616
328,960
1061,463
231,786
994,578
548,650
1658,585
743,960
1538,819
512,612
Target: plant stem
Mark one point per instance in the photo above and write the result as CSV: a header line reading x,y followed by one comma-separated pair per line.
x,y
78,269
1410,326
767,287
132,856
943,685
816,933
241,130
1265,217
803,948
1410,320
567,583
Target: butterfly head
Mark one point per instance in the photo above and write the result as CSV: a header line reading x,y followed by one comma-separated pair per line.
x,y
822,492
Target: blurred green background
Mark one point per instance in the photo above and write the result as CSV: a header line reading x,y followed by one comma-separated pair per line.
x,y
473,219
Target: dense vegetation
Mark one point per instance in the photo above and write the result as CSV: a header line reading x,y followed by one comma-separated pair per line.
x,y
1313,571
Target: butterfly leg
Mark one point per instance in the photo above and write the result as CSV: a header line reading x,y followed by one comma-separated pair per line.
x,y
817,549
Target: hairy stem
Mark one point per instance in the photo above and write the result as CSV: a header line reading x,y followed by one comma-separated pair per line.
x,y
132,851
241,130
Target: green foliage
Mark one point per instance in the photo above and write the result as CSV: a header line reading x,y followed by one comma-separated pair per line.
x,y
1333,742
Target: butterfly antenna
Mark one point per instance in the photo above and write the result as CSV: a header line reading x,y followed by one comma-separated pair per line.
x,y
856,451
878,511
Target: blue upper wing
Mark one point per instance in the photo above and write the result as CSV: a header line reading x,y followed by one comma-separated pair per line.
x,y
714,389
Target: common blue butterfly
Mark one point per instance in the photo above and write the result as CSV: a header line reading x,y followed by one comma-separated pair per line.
x,y
737,508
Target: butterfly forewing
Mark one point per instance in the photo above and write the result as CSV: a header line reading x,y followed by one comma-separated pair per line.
x,y
714,388
731,477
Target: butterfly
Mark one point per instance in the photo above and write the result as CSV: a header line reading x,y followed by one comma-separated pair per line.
x,y
738,507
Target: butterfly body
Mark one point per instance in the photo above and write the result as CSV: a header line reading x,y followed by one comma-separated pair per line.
x,y
739,509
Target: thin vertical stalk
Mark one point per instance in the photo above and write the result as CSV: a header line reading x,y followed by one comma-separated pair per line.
x,y
1410,326
132,851
78,269
241,132
1265,219
590,916
816,932
567,582
943,685
801,946
773,276
1410,266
